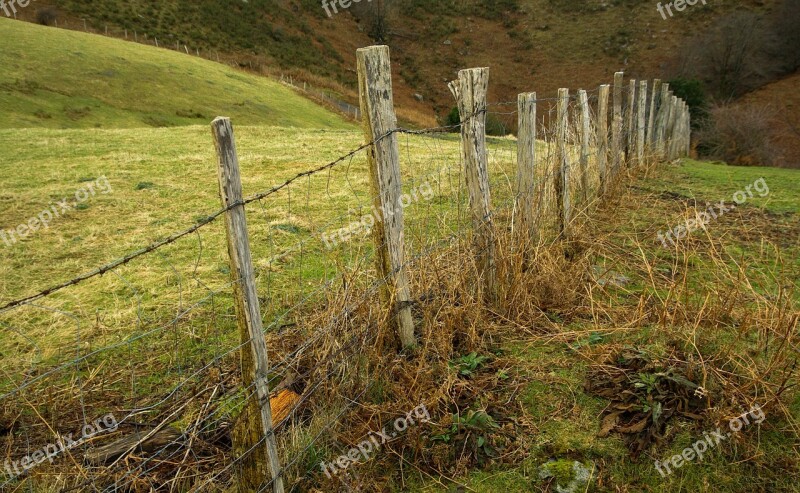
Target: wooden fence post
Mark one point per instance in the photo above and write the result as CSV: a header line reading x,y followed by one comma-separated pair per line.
x,y
562,179
255,365
616,125
383,158
682,140
630,126
641,110
651,121
583,101
602,136
661,120
667,120
688,149
470,91
673,118
526,167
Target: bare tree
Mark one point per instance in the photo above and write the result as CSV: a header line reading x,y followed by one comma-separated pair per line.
x,y
376,15
734,57
786,26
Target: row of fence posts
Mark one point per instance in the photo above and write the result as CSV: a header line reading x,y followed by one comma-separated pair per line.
x,y
661,131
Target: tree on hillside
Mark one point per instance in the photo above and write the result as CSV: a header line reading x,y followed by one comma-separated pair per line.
x,y
786,25
46,16
734,56
742,52
376,15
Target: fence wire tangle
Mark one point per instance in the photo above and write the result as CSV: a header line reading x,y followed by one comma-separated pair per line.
x,y
166,361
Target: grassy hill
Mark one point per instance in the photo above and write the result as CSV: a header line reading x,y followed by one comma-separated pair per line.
x,y
58,78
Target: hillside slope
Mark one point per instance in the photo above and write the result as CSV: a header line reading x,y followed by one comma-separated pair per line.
x,y
58,78
782,99
530,45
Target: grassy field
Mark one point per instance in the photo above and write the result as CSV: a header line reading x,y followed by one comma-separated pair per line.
x,y
162,180
758,244
55,78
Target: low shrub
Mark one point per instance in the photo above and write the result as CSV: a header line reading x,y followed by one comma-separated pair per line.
x,y
739,135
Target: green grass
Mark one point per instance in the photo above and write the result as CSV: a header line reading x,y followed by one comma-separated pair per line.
x,y
712,182
56,78
567,419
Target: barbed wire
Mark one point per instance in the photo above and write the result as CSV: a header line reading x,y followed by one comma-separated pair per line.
x,y
353,299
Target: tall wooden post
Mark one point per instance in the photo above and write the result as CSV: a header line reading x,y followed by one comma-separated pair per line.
x,y
651,121
562,178
260,461
602,136
583,101
616,125
661,120
526,167
470,91
383,158
688,139
630,125
667,128
673,117
641,127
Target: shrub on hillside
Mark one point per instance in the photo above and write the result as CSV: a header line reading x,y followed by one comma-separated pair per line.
x,y
693,92
493,125
453,119
739,135
46,16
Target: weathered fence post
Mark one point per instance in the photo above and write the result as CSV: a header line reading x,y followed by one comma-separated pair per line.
x,y
673,118
681,151
616,125
583,101
260,461
562,178
661,120
688,149
667,129
602,136
470,91
651,121
629,123
641,109
526,167
383,157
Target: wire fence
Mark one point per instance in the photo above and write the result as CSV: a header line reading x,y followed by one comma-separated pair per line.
x,y
150,340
